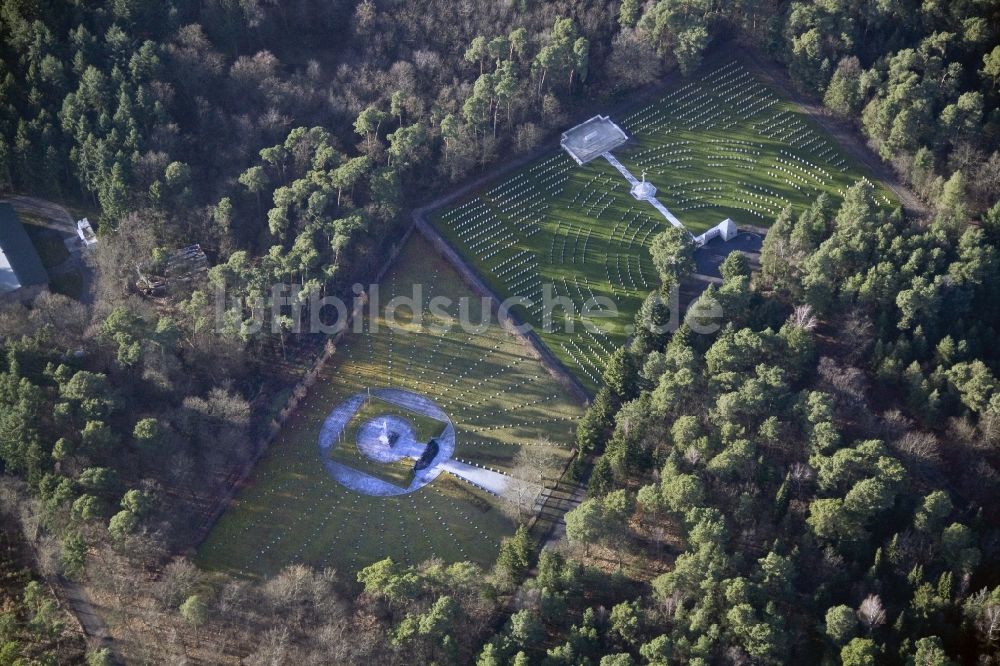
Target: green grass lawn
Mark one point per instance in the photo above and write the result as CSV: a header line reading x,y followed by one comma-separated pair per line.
x,y
498,398
718,145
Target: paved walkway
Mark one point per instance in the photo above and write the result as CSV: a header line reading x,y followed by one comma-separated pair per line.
x,y
494,482
664,212
633,181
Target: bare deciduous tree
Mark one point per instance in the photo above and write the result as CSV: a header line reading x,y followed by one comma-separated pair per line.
x,y
521,496
919,446
871,612
803,317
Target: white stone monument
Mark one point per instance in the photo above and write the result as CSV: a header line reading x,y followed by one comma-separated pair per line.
x,y
643,190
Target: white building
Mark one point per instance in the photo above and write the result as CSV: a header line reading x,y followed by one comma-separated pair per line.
x,y
86,232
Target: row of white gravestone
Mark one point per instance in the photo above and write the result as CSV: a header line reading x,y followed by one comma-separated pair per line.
x,y
660,148
759,201
287,524
591,188
799,183
555,181
664,157
657,112
520,425
489,245
705,105
514,205
509,410
476,225
596,193
517,202
517,262
770,127
803,138
528,285
784,125
460,402
696,195
629,259
593,356
453,385
561,241
510,390
579,250
507,186
697,206
589,297
602,202
617,288
517,273
618,270
579,359
432,522
445,371
635,119
794,160
675,163
738,152
471,225
879,197
600,341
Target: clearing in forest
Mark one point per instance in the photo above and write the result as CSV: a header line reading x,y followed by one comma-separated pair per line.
x,y
338,486
718,145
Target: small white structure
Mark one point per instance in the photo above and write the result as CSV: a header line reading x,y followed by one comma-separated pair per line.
x,y
86,232
726,230
644,190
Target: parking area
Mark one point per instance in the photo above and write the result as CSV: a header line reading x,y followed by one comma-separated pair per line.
x,y
52,230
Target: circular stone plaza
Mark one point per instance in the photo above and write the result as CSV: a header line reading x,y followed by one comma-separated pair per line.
x,y
390,438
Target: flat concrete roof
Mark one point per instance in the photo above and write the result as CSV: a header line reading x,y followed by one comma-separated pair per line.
x,y
592,138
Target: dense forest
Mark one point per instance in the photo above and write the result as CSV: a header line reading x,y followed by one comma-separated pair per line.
x,y
818,479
